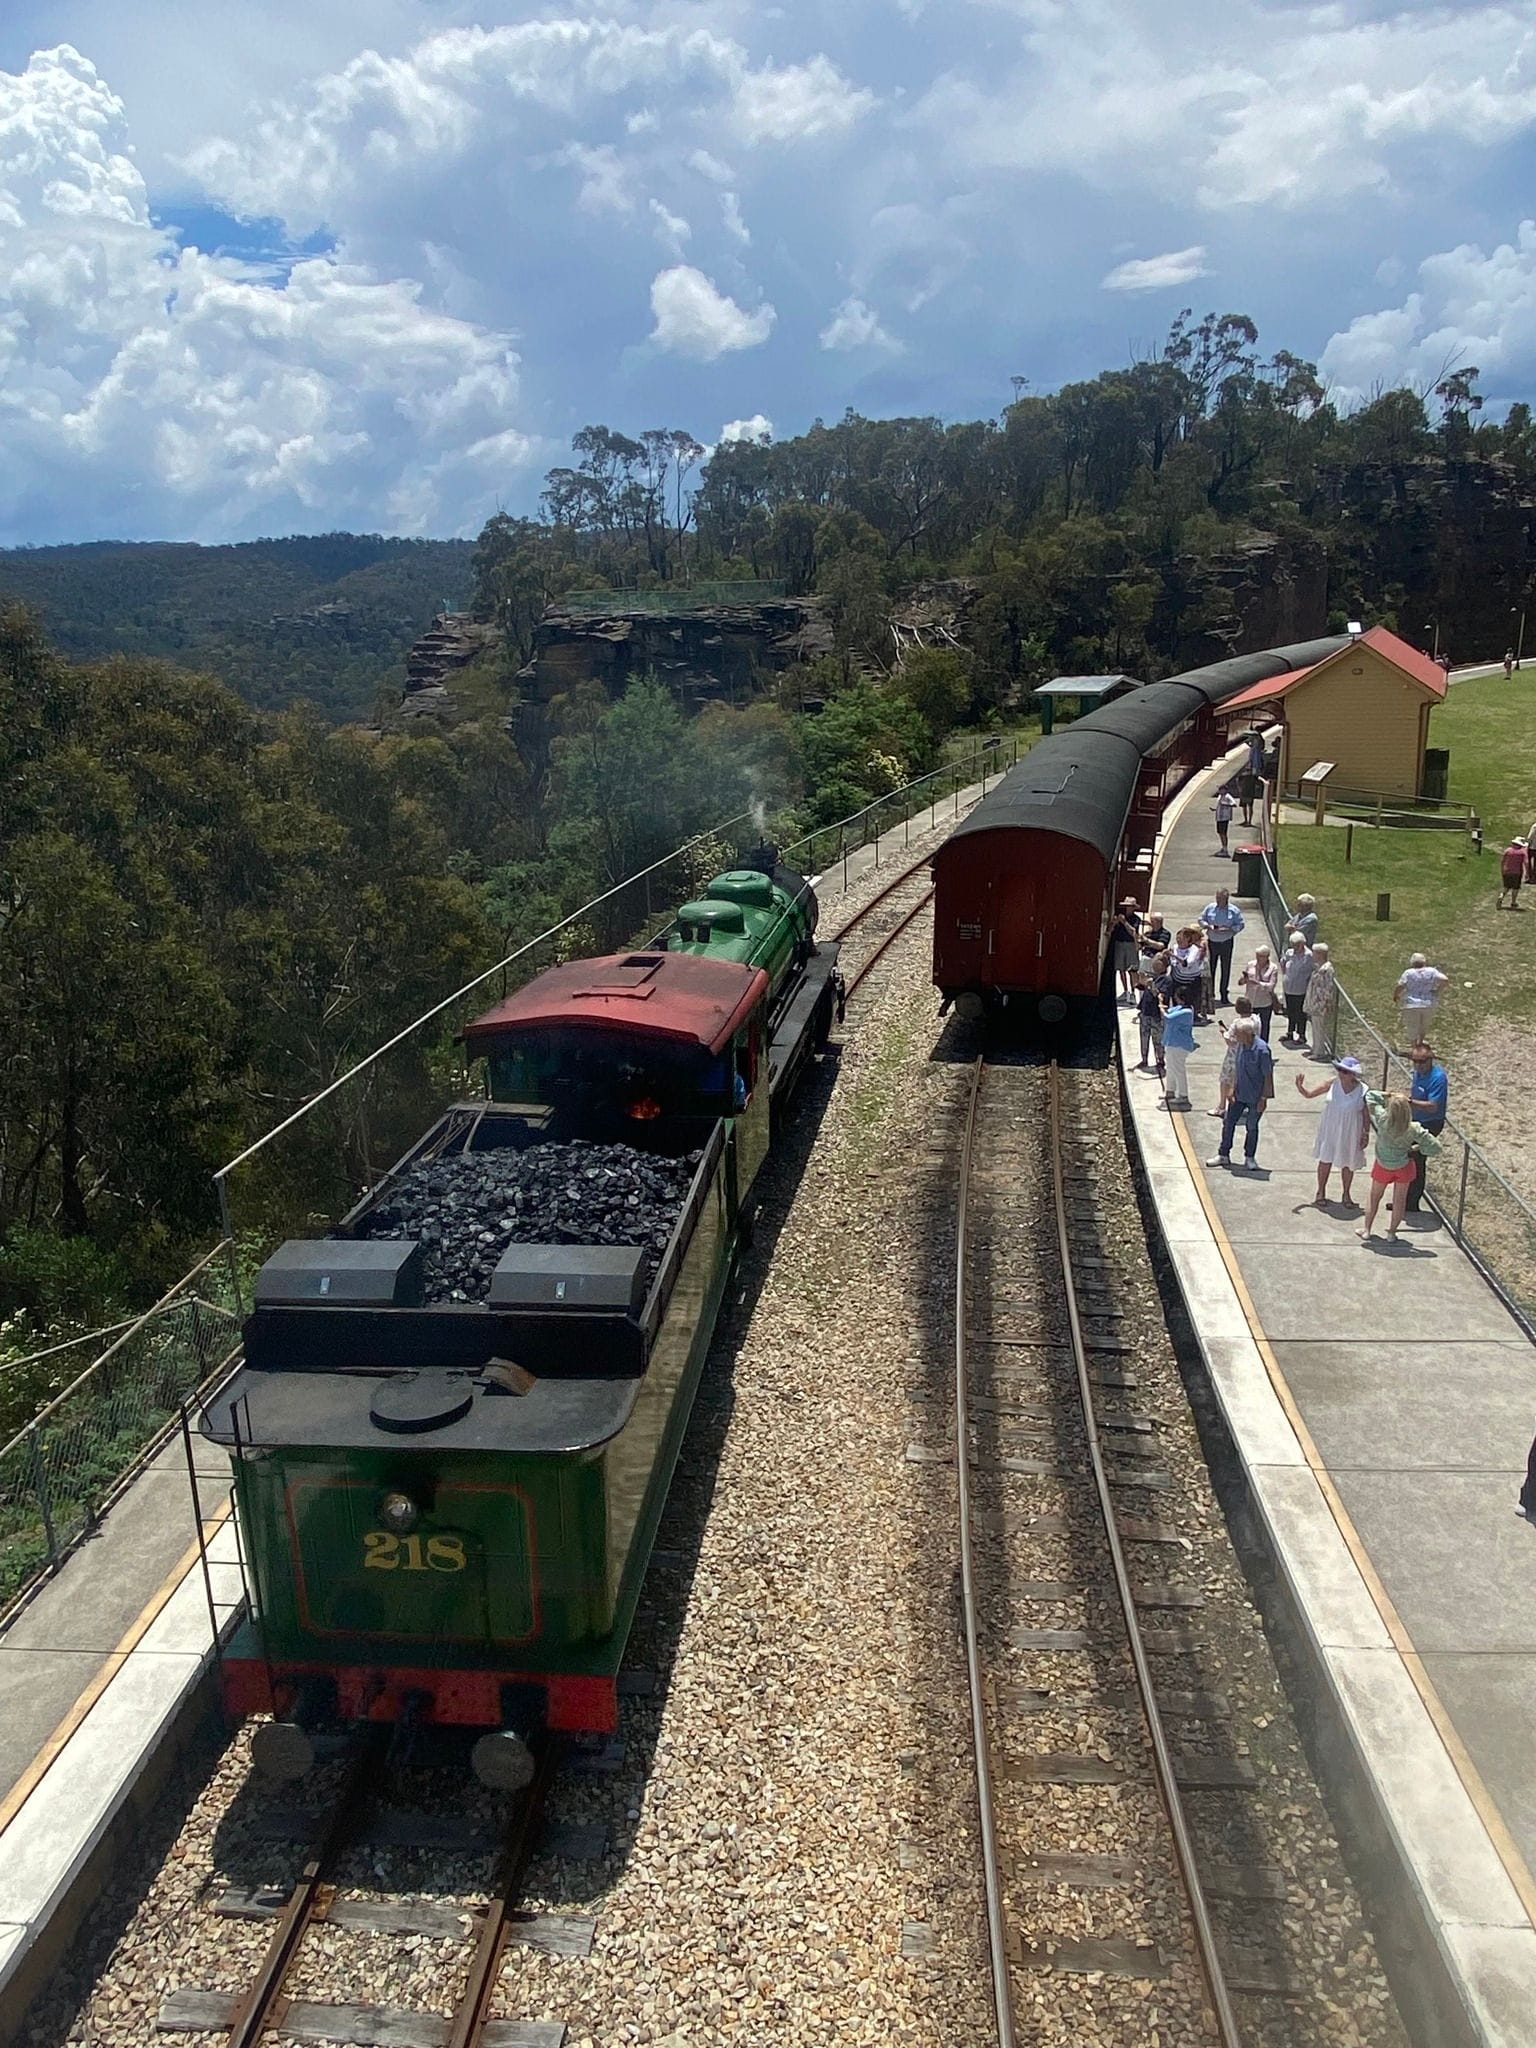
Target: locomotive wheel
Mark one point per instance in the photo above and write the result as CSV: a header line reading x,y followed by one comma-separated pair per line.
x,y
282,1750
502,1761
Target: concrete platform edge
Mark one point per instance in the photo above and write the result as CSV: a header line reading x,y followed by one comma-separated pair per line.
x,y
55,1860
1459,1948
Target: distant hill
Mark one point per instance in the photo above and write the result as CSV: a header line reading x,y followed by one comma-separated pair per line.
x,y
326,617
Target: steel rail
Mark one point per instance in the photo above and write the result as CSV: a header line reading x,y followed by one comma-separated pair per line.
x,y
1205,1933
263,2003
886,943
473,2009
875,901
997,1938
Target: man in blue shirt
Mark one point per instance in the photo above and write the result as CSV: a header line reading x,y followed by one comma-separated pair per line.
x,y
1431,1093
1253,1089
1221,922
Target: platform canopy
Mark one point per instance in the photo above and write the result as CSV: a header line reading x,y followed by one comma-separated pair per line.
x,y
1091,689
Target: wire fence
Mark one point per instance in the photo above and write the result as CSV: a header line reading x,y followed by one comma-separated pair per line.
x,y
1491,1221
60,1473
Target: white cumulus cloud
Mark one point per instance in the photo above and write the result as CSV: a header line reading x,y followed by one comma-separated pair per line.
x,y
695,319
172,393
798,101
1155,273
1241,102
855,325
1471,306
758,428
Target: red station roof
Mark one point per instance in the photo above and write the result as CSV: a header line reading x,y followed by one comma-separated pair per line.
x,y
1385,643
678,996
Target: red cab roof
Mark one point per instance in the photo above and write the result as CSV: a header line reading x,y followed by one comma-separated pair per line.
x,y
677,996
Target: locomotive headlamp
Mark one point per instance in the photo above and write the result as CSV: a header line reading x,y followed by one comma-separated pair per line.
x,y
399,1513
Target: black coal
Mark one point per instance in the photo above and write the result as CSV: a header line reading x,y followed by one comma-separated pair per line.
x,y
466,1209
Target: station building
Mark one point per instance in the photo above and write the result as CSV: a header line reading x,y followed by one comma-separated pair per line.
x,y
1366,709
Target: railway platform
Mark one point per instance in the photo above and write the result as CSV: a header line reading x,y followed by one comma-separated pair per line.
x,y
1376,1404
102,1677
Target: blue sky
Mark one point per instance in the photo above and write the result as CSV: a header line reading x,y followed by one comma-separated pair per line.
x,y
369,263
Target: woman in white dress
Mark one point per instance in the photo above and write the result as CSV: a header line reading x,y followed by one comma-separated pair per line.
x,y
1341,1128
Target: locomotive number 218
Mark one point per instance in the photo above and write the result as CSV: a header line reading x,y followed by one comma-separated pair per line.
x,y
385,1553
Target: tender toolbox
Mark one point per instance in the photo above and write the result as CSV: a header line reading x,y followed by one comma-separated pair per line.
x,y
343,1272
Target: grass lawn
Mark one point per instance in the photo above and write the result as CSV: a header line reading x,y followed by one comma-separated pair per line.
x,y
1443,895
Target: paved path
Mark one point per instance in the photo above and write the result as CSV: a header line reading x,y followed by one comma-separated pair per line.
x,y
1415,1386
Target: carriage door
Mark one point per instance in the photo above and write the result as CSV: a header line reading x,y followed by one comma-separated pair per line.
x,y
1015,933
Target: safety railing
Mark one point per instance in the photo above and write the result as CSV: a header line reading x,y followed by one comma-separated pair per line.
x,y
937,793
1491,1220
62,1470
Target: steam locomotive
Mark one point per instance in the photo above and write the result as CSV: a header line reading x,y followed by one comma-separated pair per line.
x,y
448,1494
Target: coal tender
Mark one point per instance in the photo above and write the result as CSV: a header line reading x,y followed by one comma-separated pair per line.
x,y
458,1414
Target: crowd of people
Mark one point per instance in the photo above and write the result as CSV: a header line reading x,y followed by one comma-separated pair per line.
x,y
1179,980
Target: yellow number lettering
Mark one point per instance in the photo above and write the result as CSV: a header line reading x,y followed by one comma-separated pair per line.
x,y
445,1553
381,1551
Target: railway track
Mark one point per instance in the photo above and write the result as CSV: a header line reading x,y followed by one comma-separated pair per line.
x,y
1091,1745
887,915
268,2004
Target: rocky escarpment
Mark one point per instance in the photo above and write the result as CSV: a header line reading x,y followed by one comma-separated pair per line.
x,y
698,651
1267,592
451,642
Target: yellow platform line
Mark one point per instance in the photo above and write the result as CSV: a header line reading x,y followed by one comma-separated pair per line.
x,y
1472,1781
53,1748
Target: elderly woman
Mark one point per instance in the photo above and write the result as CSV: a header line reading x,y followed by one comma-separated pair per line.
x,y
1321,1001
1258,981
1305,920
1418,991
1341,1129
1295,974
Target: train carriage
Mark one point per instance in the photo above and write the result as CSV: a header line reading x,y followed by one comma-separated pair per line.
x,y
1026,885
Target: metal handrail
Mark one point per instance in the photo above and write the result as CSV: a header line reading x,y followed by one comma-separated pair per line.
x,y
905,788
65,1344
164,1306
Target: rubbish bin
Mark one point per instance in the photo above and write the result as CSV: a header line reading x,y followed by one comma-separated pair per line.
x,y
1437,771
1250,865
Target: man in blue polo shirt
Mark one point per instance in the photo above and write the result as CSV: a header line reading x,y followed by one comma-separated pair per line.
x,y
1221,922
1431,1093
